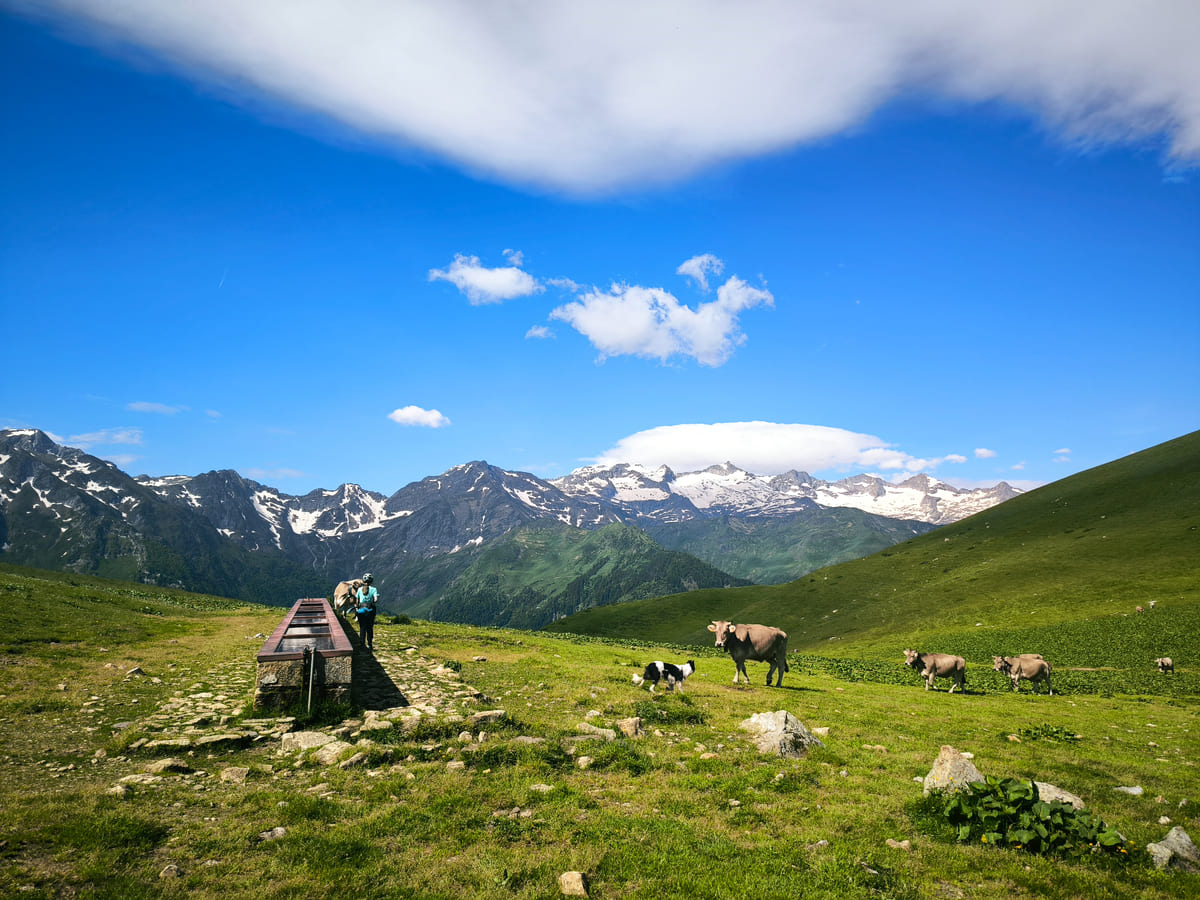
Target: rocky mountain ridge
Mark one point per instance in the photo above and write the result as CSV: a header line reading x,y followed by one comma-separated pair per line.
x,y
64,509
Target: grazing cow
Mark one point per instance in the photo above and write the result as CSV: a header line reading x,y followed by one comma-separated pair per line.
x,y
344,594
938,665
760,643
1017,667
1165,664
1139,609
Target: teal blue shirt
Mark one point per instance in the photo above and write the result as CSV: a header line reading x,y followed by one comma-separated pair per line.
x,y
367,597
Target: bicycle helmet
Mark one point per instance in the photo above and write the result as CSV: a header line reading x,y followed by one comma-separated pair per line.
x,y
368,578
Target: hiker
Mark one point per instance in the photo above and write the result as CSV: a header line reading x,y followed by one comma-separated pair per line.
x,y
367,598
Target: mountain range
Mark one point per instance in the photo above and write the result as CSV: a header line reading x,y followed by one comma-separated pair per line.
x,y
449,544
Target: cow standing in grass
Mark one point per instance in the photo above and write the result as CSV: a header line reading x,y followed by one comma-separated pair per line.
x,y
761,643
1029,666
938,665
1165,664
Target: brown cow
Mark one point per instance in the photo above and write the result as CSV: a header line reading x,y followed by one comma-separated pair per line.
x,y
1028,666
760,643
344,594
1165,664
938,665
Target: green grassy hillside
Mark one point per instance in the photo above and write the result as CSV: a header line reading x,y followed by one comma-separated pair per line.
x,y
1087,549
532,576
776,550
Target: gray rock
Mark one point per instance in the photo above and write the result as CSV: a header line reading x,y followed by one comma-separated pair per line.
x,y
951,772
1135,791
572,884
327,754
780,733
1050,793
488,717
235,774
171,764
607,734
305,740
273,835
141,778
631,728
1175,851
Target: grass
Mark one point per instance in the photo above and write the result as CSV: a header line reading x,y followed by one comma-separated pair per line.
x,y
691,809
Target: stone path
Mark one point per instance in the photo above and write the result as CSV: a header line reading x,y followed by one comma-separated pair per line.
x,y
394,682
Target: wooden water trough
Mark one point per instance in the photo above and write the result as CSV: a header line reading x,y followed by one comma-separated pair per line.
x,y
309,657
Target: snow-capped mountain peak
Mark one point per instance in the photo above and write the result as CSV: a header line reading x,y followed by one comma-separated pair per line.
x,y
726,489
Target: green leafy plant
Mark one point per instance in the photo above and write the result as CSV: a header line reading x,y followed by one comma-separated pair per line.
x,y
1006,812
1049,733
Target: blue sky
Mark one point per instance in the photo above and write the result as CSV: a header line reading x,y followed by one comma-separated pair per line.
x,y
360,242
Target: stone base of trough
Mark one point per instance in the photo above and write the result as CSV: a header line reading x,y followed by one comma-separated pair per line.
x,y
283,676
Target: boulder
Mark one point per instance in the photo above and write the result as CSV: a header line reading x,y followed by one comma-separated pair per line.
x,y
1176,851
171,764
631,728
305,740
327,754
1050,793
572,884
951,772
780,733
488,717
587,728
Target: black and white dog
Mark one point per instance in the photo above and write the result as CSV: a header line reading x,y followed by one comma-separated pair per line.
x,y
672,674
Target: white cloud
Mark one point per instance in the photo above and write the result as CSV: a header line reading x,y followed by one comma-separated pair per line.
x,y
107,436
698,267
589,96
984,453
765,448
1063,451
652,323
121,460
483,285
414,415
540,332
161,409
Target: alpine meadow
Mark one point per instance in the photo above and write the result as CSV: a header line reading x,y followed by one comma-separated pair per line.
x,y
490,762
662,449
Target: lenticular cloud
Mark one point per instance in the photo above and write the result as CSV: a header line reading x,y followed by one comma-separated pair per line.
x,y
589,96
